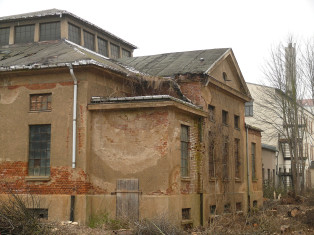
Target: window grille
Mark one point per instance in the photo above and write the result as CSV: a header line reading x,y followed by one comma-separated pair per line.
x,y
89,41
4,36
40,102
39,150
24,34
50,31
74,34
102,46
115,51
184,151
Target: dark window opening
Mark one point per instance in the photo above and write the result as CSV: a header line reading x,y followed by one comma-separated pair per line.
x,y
74,34
39,150
24,34
50,31
236,122
186,213
212,209
227,208
211,158
89,41
39,213
255,204
4,36
238,206
237,157
249,109
224,117
184,151
102,47
211,113
225,159
40,102
225,77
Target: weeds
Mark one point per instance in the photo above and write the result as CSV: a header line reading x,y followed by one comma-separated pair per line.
x,y
18,216
103,220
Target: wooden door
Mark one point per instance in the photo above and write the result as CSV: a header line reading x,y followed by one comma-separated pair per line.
x,y
128,198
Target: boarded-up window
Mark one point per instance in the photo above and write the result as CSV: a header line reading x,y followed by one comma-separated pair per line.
x,y
39,150
184,151
4,36
128,198
74,34
40,102
50,31
24,33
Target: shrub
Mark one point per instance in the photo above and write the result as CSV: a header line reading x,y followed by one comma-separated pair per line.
x,y
103,220
17,216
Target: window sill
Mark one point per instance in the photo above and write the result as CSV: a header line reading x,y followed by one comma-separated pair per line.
x,y
37,178
238,180
254,180
212,179
186,221
39,111
237,128
186,179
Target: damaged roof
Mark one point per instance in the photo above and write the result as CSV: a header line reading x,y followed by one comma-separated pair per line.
x,y
60,13
169,64
57,53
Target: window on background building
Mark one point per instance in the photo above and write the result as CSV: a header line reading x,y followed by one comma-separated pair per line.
x,y
184,151
126,53
211,113
227,208
115,51
50,31
249,109
236,122
24,34
212,209
39,150
237,157
89,41
4,36
74,34
102,46
253,156
225,158
40,102
224,117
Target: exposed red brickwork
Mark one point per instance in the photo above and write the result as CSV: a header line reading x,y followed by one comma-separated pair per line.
x,y
192,90
63,180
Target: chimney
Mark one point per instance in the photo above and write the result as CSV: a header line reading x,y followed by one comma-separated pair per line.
x,y
290,61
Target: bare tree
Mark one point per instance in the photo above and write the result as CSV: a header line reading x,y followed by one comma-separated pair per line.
x,y
289,74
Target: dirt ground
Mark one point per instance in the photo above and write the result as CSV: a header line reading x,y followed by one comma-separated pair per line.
x,y
284,216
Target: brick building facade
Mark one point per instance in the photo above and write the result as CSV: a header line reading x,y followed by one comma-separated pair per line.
x,y
89,134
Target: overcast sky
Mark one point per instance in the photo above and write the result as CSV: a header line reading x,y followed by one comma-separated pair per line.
x,y
249,27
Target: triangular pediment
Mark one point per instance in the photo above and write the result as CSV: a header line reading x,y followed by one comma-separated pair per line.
x,y
226,73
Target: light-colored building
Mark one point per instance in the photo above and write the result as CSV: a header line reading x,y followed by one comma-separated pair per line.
x,y
276,154
88,134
